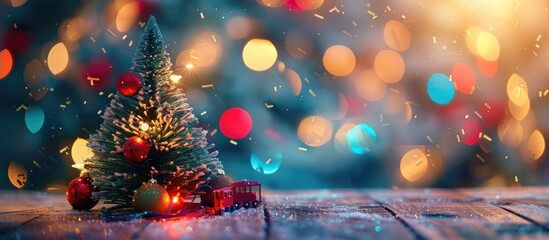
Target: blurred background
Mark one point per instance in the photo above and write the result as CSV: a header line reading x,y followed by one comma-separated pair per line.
x,y
340,93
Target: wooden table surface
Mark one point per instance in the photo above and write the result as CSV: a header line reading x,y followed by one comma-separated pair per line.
x,y
479,213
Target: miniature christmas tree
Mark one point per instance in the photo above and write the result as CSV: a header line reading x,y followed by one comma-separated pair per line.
x,y
149,132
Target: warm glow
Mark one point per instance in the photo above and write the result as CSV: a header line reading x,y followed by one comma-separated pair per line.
x,y
58,58
204,54
17,174
175,199
6,63
413,165
510,132
519,102
17,3
389,66
294,81
339,60
504,8
259,54
127,16
315,131
175,78
396,35
369,86
80,152
536,145
488,46
189,66
272,3
309,4
144,126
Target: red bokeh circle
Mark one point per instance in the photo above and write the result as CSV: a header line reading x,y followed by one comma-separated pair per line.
x,y
235,123
471,129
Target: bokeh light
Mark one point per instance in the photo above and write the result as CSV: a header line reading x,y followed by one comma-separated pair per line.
x,y
315,131
58,58
127,16
239,27
414,165
440,89
259,54
18,3
464,78
396,35
33,73
272,3
488,46
389,66
341,143
34,118
536,145
6,63
266,165
362,138
339,60
293,80
369,86
17,174
470,131
309,5
80,152
235,123
510,132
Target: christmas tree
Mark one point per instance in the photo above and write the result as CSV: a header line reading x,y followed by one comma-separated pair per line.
x,y
149,132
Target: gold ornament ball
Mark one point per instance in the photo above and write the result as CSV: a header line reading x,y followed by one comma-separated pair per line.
x,y
151,197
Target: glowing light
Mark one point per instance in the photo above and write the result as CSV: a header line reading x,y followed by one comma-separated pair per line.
x,y
339,60
239,28
144,127
17,174
519,102
17,3
309,5
389,66
34,119
127,16
488,46
464,78
440,89
487,68
259,54
369,86
235,123
504,8
536,145
340,139
80,152
33,73
72,30
514,82
175,78
396,35
266,165
204,54
314,131
6,63
361,138
510,132
294,81
519,112
470,131
58,58
189,66
414,165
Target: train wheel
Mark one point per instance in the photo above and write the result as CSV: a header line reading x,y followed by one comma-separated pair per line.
x,y
236,206
220,212
232,208
227,209
254,204
247,204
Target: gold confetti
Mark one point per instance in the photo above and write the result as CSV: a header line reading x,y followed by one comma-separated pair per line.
x,y
269,105
130,44
302,149
213,132
22,106
488,138
93,39
207,86
103,49
478,115
108,30
36,164
233,142
430,139
334,9
312,93
64,149
347,33
479,157
318,16
124,37
203,113
202,15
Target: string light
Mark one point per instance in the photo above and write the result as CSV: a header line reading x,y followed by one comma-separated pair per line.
x,y
144,126
175,78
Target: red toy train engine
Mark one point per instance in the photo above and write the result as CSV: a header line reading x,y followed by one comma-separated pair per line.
x,y
239,194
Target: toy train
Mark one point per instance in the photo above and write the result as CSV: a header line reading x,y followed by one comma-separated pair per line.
x,y
239,194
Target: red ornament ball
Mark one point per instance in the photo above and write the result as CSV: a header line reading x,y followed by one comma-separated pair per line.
x,y
136,149
151,197
235,123
79,193
128,84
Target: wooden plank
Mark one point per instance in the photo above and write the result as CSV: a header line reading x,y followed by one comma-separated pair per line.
x,y
240,224
453,214
330,215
